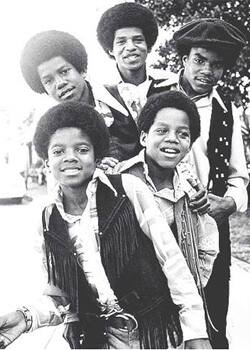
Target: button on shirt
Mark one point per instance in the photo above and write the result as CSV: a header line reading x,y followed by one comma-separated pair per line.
x,y
181,283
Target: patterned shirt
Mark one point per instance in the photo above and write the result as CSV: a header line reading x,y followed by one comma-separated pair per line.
x,y
181,283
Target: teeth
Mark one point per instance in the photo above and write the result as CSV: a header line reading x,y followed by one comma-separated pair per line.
x,y
71,171
169,150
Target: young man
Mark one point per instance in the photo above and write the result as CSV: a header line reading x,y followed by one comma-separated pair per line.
x,y
127,33
113,264
55,63
207,47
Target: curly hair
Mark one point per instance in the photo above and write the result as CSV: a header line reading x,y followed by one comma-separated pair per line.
x,y
126,15
46,45
172,99
72,114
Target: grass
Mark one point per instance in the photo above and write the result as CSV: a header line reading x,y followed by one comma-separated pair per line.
x,y
240,235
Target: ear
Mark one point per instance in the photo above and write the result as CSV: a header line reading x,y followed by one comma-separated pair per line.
x,y
143,138
184,60
46,162
111,53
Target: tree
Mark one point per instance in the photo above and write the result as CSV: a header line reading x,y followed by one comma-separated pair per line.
x,y
174,13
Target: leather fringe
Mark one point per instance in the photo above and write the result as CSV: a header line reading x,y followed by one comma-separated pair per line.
x,y
62,269
159,325
124,246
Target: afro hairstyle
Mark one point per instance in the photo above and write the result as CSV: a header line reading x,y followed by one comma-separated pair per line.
x,y
126,15
72,114
46,45
170,99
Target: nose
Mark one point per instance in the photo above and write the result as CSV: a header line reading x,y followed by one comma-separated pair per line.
x,y
207,69
70,156
60,82
130,45
170,136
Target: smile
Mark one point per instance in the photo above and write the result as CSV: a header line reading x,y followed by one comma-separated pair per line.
x,y
169,151
71,171
205,81
66,93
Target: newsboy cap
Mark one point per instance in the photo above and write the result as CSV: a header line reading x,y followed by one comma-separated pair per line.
x,y
125,15
48,44
211,33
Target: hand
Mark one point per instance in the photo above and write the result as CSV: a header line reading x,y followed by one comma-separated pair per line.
x,y
197,344
108,163
199,202
12,325
221,207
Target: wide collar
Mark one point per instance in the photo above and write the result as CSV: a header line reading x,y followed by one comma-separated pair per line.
x,y
57,194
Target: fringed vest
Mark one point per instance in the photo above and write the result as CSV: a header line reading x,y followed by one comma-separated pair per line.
x,y
219,146
130,263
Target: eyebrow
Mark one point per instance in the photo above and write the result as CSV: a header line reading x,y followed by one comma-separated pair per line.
x,y
204,58
133,36
64,65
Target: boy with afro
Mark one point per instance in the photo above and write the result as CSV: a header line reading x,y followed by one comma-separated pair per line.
x,y
169,124
114,268
127,33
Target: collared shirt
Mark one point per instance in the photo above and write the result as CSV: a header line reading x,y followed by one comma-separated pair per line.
x,y
238,175
208,239
134,96
180,280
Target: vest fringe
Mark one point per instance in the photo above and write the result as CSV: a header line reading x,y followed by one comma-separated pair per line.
x,y
124,245
157,326
62,269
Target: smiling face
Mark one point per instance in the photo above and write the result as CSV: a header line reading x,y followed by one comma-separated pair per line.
x,y
71,157
203,68
129,50
168,139
61,80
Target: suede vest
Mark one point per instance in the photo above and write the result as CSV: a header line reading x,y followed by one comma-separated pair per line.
x,y
130,264
219,146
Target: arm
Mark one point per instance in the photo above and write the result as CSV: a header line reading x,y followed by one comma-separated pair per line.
x,y
238,175
181,283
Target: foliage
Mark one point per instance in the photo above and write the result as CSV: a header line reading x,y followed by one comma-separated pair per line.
x,y
174,13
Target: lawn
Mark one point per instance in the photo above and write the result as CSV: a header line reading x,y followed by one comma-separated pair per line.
x,y
240,235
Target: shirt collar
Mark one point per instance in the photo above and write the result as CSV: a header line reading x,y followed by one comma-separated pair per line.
x,y
57,195
205,99
181,185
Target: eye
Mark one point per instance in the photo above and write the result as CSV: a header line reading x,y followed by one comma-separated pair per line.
x,y
161,131
47,81
198,60
184,134
57,151
82,150
65,71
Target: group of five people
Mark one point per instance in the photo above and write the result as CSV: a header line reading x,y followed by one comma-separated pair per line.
x,y
134,262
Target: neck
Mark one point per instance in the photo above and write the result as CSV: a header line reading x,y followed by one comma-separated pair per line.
x,y
74,199
135,77
162,178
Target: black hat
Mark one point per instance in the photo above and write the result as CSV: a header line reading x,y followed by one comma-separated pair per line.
x,y
211,33
124,15
46,45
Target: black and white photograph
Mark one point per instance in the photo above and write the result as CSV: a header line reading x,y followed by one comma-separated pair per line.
x,y
124,174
